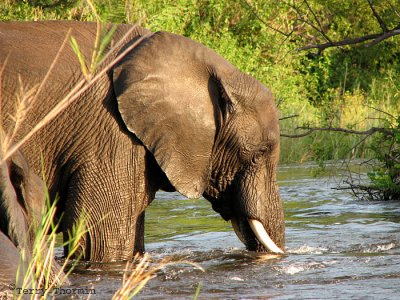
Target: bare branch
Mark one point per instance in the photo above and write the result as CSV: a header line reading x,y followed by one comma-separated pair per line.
x,y
362,140
289,117
368,132
265,23
345,42
395,10
384,36
295,136
382,111
320,30
378,18
377,38
303,19
315,23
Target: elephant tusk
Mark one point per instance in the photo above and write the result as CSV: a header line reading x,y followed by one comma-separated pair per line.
x,y
263,237
239,234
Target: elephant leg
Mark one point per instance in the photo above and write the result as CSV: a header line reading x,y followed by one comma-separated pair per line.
x,y
114,223
9,260
112,200
139,235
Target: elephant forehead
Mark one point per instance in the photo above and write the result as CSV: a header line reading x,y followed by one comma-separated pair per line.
x,y
266,112
260,124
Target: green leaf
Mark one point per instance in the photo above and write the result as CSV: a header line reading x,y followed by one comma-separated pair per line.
x,y
80,56
105,41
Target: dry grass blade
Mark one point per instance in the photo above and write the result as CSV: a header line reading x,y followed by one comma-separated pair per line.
x,y
53,64
139,272
42,274
1,81
24,102
137,279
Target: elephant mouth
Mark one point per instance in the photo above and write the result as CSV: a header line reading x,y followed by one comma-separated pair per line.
x,y
252,233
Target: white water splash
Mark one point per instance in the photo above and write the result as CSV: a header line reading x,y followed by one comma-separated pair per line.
x,y
291,270
380,248
302,267
308,250
386,247
237,279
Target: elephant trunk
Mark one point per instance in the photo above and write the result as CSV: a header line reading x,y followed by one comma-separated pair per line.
x,y
259,221
261,234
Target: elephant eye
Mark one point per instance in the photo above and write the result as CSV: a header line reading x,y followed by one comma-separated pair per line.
x,y
259,154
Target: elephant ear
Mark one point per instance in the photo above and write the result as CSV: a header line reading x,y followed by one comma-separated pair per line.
x,y
168,99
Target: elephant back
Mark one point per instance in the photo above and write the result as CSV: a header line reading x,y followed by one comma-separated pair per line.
x,y
40,66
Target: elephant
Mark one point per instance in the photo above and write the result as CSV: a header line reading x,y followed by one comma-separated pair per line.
x,y
22,198
9,259
170,114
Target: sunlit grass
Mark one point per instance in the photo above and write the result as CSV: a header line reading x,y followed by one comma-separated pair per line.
x,y
138,272
43,272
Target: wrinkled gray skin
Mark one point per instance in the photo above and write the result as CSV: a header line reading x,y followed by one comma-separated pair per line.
x,y
9,258
22,197
172,115
13,225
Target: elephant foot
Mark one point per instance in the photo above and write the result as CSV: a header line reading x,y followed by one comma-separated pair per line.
x,y
105,244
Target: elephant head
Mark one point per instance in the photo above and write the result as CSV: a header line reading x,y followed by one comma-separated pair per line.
x,y
22,198
212,129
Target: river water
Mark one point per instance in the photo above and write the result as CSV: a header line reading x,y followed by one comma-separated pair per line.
x,y
337,248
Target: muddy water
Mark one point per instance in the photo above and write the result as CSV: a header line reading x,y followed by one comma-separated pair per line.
x,y
338,248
